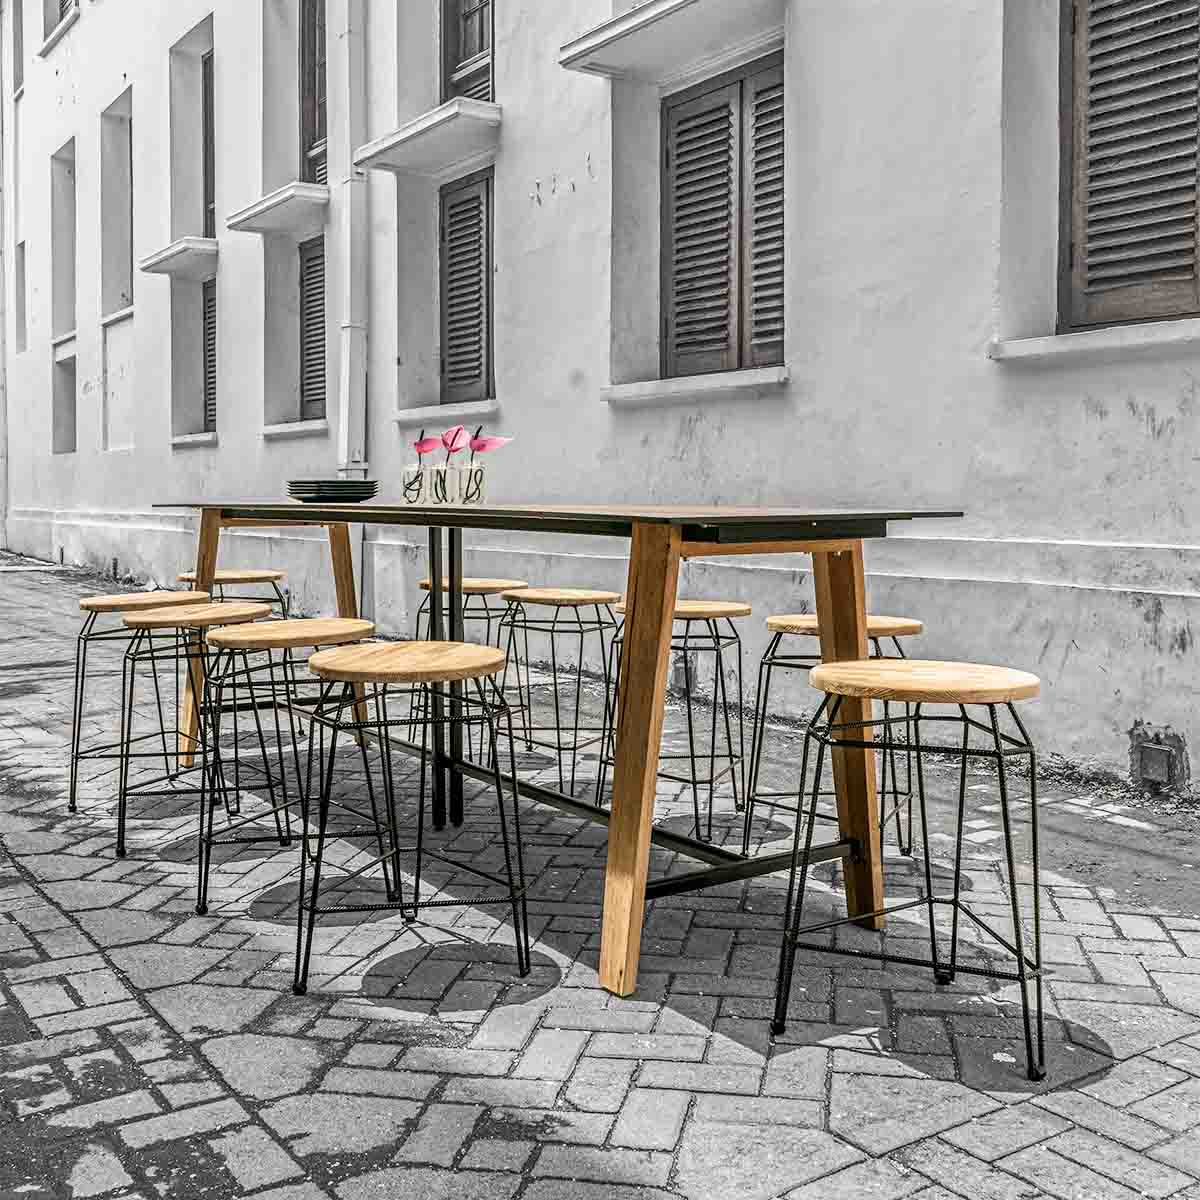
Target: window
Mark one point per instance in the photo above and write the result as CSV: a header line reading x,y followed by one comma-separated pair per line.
x,y
54,12
116,204
466,287
722,240
209,351
62,240
18,44
467,49
209,164
312,91
22,313
312,329
1130,103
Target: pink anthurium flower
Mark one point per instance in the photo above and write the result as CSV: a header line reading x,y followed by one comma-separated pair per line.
x,y
426,445
454,440
481,445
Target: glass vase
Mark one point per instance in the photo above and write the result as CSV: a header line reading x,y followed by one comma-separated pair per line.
x,y
472,484
443,484
414,482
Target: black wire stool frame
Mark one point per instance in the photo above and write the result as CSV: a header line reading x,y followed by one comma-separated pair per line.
x,y
829,734
565,739
712,641
487,707
182,645
282,598
894,803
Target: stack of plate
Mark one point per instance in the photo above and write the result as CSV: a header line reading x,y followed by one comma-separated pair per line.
x,y
332,491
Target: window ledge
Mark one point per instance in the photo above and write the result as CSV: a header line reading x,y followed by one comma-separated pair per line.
x,y
448,412
62,338
63,347
295,429
735,384
193,258
18,93
1115,339
115,318
296,209
673,42
184,441
59,32
454,138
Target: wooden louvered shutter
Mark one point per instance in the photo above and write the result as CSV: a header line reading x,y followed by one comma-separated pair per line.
x,y
762,220
1131,99
702,185
312,329
65,6
466,301
209,344
467,49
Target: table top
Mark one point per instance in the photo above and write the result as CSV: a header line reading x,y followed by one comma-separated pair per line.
x,y
699,523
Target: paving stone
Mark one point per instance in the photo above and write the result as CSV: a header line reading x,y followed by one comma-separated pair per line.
x,y
89,1018
440,1134
600,1020
674,1048
603,1166
882,1113
428,1183
77,895
264,1067
196,1010
205,1118
523,1093
600,1084
759,1110
798,1072
1177,1108
119,926
700,1077
1005,1131
97,1172
967,1176
549,1189
496,1154
157,965
557,1125
47,1048
1061,1177
457,1061
651,1119
412,1085
1182,1151
106,1112
1132,1080
734,1161
551,1054
1124,1126
1147,1176
254,1158
1125,1029
1181,990
874,1180
328,1123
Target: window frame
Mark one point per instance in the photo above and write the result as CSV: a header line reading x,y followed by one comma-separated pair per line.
x,y
314,60
741,307
457,71
208,159
1069,95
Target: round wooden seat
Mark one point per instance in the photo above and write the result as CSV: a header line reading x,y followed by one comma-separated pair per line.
x,y
407,662
921,681
877,627
561,597
234,575
481,587
199,616
293,634
136,601
702,610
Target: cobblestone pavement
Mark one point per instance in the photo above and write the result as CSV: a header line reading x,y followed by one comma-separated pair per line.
x,y
146,1051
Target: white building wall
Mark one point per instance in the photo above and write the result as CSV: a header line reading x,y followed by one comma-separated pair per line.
x,y
922,209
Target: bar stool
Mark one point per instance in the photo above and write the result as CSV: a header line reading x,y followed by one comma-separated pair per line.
x,y
94,607
188,624
234,576
880,629
568,621
359,681
229,667
478,607
706,628
921,683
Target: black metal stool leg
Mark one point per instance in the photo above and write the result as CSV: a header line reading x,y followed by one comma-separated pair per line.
x,y
691,735
81,649
758,733
128,679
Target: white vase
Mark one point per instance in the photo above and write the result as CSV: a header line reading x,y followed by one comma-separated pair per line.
x,y
472,483
443,484
415,485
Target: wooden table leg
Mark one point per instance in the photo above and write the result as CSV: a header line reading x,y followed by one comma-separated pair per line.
x,y
206,569
842,617
347,592
649,612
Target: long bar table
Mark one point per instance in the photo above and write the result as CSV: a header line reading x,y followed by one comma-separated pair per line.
x,y
659,538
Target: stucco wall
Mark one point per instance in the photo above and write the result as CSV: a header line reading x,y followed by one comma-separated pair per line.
x,y
922,218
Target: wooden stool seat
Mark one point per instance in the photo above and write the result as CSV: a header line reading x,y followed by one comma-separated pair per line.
x,y
136,601
236,575
481,587
407,662
877,626
562,597
198,616
921,681
293,634
702,610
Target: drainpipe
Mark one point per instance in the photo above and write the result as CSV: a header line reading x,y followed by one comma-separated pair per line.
x,y
347,40
4,293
